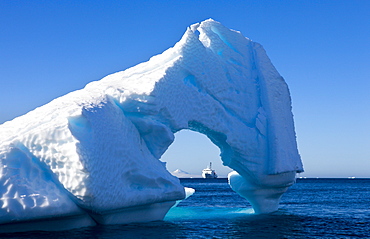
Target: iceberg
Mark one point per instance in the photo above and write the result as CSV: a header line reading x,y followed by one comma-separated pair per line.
x,y
93,155
182,174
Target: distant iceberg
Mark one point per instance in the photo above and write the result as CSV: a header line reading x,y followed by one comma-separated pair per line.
x,y
182,174
92,156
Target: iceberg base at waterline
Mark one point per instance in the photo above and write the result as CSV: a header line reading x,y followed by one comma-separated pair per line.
x,y
263,198
143,213
56,223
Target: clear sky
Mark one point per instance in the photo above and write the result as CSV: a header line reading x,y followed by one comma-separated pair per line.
x,y
321,48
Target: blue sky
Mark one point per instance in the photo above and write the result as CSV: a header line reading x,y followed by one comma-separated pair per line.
x,y
321,48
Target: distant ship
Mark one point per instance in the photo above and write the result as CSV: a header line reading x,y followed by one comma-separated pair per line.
x,y
209,172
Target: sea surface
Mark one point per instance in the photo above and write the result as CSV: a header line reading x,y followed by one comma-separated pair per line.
x,y
312,208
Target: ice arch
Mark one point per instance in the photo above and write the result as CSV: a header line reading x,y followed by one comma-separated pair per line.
x,y
94,152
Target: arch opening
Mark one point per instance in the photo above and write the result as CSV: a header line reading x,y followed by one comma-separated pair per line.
x,y
191,152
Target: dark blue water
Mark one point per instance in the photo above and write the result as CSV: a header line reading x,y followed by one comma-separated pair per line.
x,y
312,208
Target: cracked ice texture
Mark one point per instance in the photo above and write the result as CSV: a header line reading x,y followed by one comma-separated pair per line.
x,y
98,148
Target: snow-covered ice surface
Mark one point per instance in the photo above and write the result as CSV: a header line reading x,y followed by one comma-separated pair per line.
x,y
95,152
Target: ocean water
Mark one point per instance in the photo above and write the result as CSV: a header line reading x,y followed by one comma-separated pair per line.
x,y
312,208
